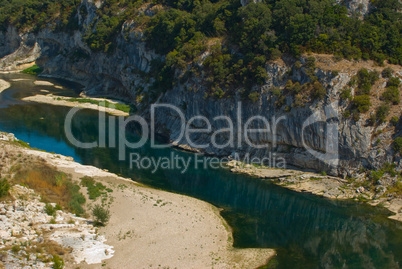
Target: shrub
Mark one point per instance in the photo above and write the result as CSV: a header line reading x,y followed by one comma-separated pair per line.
x,y
319,90
276,92
293,88
50,210
298,102
362,103
297,65
346,94
310,63
396,188
296,88
391,95
356,115
275,54
394,121
376,176
393,82
254,96
95,189
365,56
398,144
4,187
365,80
16,248
58,262
382,113
101,215
390,169
346,114
387,72
76,200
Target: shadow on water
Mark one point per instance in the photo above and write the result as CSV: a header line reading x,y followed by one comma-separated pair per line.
x,y
307,231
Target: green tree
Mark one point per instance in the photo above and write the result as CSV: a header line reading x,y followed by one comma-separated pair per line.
x,y
382,112
391,94
362,103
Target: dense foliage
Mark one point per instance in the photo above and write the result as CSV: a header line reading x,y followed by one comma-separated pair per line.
x,y
37,14
241,39
247,37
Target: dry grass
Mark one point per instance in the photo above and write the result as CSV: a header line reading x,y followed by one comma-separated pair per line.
x,y
49,247
46,181
327,62
53,186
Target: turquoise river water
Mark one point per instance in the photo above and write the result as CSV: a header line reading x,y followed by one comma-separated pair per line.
x,y
307,231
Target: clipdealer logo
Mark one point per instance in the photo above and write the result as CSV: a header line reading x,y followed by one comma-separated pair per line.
x,y
237,132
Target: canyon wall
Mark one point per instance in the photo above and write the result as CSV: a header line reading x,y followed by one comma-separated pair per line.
x,y
124,74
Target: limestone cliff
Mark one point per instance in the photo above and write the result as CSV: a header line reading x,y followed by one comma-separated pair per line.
x,y
124,72
359,7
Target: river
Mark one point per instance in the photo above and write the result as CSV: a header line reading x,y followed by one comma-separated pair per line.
x,y
307,231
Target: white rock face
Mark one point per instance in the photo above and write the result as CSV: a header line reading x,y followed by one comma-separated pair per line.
x,y
361,7
87,245
7,137
246,2
24,223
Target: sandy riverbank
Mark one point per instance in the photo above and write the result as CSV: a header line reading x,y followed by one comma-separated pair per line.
x,y
63,101
43,83
325,186
4,85
155,229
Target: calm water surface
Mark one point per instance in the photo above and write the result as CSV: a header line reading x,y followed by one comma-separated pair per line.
x,y
307,231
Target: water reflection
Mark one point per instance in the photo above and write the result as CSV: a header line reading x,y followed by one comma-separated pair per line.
x,y
307,231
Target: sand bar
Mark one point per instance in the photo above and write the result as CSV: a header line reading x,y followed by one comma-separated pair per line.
x,y
4,85
63,101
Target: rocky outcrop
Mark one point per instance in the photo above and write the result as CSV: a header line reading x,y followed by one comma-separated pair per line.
x,y
359,7
25,227
246,2
123,74
300,145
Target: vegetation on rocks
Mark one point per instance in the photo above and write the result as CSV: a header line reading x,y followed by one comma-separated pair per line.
x,y
240,40
58,262
37,14
398,145
52,185
391,94
51,210
4,187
